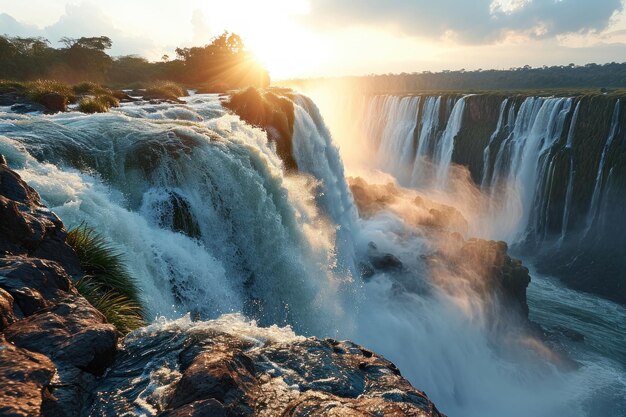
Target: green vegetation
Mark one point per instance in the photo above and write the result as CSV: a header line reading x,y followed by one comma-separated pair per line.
x,y
107,284
97,104
223,64
572,77
164,90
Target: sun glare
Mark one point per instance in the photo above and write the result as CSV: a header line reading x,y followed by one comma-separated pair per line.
x,y
268,29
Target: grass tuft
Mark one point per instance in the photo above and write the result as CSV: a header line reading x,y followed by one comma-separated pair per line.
x,y
107,284
165,90
97,104
35,90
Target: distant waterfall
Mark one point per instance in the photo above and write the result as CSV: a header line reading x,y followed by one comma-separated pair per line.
x,y
598,185
570,181
527,163
443,151
429,125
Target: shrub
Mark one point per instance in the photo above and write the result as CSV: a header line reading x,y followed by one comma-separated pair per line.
x,y
98,104
107,284
164,90
91,88
122,312
7,85
36,90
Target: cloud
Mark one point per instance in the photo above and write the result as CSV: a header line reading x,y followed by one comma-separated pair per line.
x,y
200,28
11,27
84,19
87,19
469,21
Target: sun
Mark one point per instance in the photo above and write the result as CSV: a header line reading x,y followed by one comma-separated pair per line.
x,y
287,52
271,32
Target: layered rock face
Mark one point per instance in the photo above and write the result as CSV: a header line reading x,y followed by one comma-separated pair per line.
x,y
54,344
59,356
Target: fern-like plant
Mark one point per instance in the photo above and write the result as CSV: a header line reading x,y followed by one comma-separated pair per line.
x,y
107,284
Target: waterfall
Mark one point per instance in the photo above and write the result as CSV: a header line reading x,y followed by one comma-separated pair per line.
x,y
598,184
429,127
316,154
256,243
570,181
397,140
494,136
443,152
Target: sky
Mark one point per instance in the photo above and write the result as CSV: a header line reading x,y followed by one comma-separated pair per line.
x,y
307,38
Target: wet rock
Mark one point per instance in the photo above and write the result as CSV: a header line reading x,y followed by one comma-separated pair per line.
x,y
33,283
204,408
29,228
71,333
54,102
487,268
24,378
230,374
7,310
53,344
24,108
385,262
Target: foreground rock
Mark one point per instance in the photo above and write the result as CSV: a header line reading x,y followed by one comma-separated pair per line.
x,y
229,367
53,344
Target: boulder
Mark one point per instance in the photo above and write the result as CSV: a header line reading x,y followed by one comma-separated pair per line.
x,y
72,332
33,283
385,262
7,310
198,370
24,378
28,227
54,102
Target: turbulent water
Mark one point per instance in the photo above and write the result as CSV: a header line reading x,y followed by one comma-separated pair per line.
x,y
210,224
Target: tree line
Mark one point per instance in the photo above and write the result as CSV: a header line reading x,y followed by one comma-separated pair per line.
x,y
222,64
611,75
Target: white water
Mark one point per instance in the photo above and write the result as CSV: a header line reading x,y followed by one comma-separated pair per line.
x,y
443,152
572,171
278,248
494,136
598,186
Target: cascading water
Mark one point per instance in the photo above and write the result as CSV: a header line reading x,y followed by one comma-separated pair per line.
x,y
211,224
570,180
487,152
428,129
443,152
598,183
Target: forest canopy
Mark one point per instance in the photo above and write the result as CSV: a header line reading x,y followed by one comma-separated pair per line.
x,y
224,63
610,75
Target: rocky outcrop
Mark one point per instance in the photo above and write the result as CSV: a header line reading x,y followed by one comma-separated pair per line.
x,y
413,208
272,110
485,266
207,369
53,344
499,280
